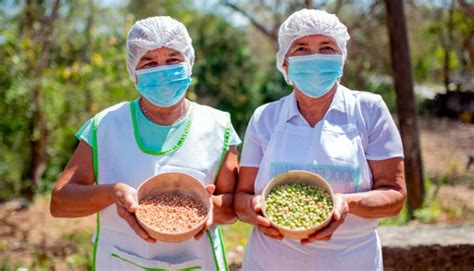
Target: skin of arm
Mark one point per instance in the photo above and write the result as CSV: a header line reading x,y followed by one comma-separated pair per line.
x,y
247,205
76,185
223,195
384,200
75,195
388,194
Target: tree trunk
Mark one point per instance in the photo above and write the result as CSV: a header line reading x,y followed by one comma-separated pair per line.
x,y
38,128
38,139
447,47
87,54
400,54
26,20
468,48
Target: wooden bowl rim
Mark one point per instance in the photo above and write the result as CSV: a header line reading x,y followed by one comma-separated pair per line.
x,y
180,236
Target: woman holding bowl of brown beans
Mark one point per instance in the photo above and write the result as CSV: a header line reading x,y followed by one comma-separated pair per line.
x,y
157,133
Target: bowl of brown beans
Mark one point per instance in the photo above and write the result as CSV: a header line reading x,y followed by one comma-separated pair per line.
x,y
298,203
173,207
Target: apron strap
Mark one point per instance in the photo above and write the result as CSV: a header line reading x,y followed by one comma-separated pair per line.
x,y
279,128
350,104
283,114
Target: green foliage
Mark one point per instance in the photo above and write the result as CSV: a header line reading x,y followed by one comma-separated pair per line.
x,y
86,71
399,220
15,108
273,85
4,265
83,75
236,235
80,259
431,40
224,72
428,214
76,247
433,208
387,92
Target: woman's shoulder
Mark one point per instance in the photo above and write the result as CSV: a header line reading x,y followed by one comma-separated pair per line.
x,y
371,109
265,117
210,113
367,101
113,111
269,112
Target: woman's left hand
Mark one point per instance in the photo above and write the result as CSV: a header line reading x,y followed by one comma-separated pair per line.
x,y
210,219
341,208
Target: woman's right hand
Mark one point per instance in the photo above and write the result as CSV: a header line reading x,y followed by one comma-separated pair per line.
x,y
248,206
262,223
126,201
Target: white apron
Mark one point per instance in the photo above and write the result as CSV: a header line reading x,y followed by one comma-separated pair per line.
x,y
119,157
336,153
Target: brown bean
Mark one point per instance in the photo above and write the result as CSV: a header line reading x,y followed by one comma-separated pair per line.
x,y
171,212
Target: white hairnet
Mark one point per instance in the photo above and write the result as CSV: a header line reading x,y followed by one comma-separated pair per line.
x,y
154,33
307,22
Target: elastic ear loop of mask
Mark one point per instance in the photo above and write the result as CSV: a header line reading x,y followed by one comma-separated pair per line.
x,y
288,80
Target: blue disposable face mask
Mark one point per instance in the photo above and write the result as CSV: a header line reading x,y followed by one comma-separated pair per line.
x,y
314,74
164,86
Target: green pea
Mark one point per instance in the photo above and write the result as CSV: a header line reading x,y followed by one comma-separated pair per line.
x,y
298,205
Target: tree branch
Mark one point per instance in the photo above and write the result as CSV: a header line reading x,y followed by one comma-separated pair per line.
x,y
368,14
337,7
269,33
467,8
47,27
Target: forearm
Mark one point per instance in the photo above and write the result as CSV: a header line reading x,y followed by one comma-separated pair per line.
x,y
378,203
223,209
77,200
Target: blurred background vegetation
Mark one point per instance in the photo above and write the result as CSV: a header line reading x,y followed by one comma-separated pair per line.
x,y
62,61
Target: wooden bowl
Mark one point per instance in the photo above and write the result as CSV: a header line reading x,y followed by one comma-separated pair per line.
x,y
174,182
297,176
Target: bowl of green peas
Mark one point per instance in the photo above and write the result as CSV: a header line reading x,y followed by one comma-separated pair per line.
x,y
298,203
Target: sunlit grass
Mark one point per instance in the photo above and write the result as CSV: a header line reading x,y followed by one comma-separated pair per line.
x,y
236,235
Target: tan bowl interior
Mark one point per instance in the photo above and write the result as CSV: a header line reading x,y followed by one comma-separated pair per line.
x,y
297,176
174,182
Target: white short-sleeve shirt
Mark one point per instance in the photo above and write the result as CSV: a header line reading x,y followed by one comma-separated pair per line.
x,y
380,137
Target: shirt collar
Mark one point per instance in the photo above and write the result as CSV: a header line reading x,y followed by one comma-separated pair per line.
x,y
337,103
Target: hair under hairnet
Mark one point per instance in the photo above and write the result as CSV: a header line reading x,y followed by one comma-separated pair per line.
x,y
307,22
154,33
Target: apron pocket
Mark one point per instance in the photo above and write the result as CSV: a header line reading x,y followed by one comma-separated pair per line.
x,y
127,261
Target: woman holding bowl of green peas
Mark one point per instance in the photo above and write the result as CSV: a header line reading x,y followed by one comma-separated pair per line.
x,y
347,137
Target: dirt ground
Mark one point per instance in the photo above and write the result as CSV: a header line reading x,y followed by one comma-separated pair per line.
x,y
30,237
446,145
